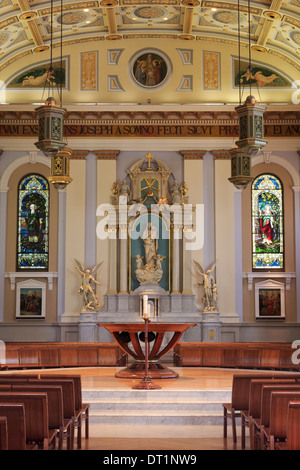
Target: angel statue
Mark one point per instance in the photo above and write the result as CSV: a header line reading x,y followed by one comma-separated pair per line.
x,y
90,299
210,287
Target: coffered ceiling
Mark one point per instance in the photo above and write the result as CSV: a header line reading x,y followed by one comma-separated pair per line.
x,y
27,27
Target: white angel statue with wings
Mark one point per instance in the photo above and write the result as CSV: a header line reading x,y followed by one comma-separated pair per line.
x,y
87,288
209,285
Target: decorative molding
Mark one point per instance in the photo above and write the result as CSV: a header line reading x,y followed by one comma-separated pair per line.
x,y
12,276
79,154
294,173
267,275
106,154
36,156
186,83
193,154
114,83
186,56
113,56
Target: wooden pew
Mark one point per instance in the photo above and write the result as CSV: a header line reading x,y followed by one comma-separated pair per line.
x,y
293,428
3,433
254,406
262,416
240,397
36,417
79,406
68,402
16,428
55,410
5,381
277,429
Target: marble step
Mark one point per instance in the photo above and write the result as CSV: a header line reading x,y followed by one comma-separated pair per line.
x,y
157,407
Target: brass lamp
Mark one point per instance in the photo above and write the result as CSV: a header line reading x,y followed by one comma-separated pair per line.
x,y
60,168
240,168
50,122
251,129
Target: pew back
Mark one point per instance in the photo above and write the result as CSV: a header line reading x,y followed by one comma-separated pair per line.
x,y
3,433
279,411
36,413
16,430
266,394
54,401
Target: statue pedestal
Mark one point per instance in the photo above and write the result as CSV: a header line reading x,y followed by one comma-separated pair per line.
x,y
88,326
211,326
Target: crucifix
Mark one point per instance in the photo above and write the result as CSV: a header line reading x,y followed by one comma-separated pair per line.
x,y
149,156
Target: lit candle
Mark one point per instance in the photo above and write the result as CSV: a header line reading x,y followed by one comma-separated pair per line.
x,y
145,305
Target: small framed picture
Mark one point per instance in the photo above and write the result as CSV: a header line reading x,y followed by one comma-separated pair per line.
x,y
270,300
31,300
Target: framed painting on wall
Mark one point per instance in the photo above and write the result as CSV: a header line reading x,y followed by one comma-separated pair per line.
x,y
270,300
31,300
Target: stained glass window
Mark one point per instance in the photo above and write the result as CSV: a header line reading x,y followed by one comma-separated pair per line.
x,y
267,223
33,223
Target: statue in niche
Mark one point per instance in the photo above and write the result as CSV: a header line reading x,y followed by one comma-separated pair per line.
x,y
210,288
175,193
178,193
151,271
87,288
120,188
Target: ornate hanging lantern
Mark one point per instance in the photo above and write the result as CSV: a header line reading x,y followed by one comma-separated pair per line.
x,y
60,168
251,128
51,115
50,121
240,168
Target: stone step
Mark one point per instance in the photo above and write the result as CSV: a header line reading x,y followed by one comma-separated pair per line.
x,y
156,407
154,396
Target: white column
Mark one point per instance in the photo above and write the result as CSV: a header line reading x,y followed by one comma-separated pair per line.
x,y
209,250
90,211
176,259
123,259
3,210
112,269
61,253
297,246
238,253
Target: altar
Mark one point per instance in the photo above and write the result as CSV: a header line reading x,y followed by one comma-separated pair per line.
x,y
133,334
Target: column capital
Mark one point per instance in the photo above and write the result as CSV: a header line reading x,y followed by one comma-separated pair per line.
x,y
106,154
79,154
193,154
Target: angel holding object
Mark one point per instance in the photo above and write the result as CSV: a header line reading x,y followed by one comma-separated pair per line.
x,y
87,288
210,287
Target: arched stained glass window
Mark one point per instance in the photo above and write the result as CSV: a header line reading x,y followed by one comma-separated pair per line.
x,y
33,223
267,223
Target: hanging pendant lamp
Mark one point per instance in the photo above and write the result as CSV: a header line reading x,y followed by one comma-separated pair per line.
x,y
51,115
251,126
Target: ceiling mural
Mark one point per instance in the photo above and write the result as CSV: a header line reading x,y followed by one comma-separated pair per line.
x,y
273,26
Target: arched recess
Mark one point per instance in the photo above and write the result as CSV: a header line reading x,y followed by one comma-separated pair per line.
x,y
288,176
9,183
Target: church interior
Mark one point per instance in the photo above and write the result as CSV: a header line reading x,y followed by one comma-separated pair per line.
x,y
150,222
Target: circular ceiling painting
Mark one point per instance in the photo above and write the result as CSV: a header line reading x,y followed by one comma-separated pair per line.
x,y
150,69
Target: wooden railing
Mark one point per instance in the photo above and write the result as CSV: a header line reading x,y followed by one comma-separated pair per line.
x,y
58,354
235,355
